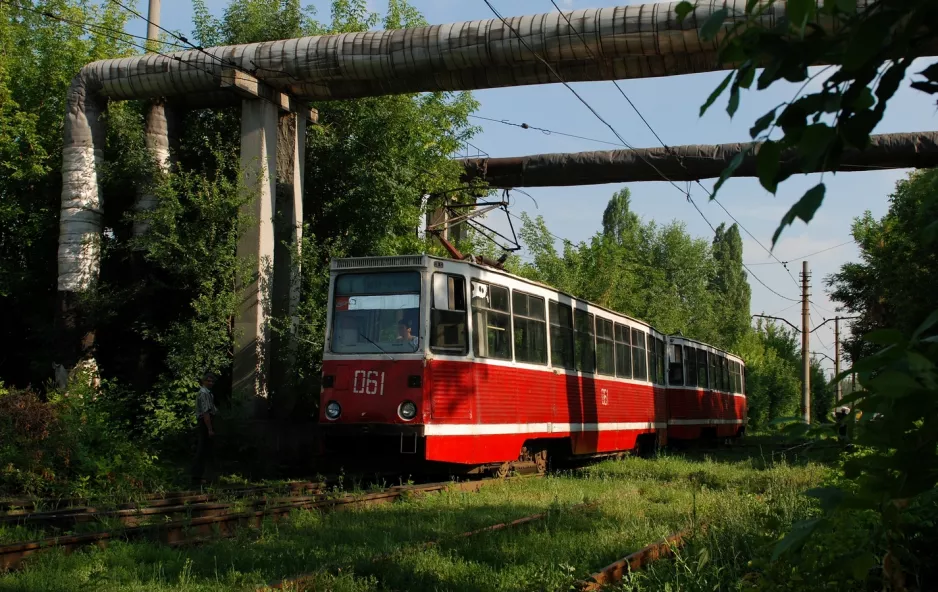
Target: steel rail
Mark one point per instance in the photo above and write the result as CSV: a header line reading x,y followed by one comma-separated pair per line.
x,y
199,529
615,571
295,582
170,498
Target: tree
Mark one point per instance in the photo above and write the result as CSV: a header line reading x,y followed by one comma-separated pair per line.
x,y
773,367
892,284
659,274
619,221
872,50
38,57
730,283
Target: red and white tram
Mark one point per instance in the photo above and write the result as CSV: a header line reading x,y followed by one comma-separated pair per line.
x,y
451,362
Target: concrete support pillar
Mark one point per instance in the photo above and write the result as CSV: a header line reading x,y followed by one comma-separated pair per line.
x,y
259,125
288,233
161,137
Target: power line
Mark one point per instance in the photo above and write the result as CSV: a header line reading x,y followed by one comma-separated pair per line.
x,y
201,49
662,142
693,203
805,256
85,25
786,308
621,139
545,131
86,28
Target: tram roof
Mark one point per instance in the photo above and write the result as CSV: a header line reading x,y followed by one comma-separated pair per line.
x,y
421,261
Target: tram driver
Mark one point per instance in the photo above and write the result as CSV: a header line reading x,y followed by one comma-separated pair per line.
x,y
405,333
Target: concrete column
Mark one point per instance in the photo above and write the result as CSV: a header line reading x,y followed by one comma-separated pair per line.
x,y
288,233
259,123
161,137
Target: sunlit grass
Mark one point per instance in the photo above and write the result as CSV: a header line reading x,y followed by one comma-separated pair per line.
x,y
637,502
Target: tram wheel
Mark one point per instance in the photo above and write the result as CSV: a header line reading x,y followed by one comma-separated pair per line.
x,y
540,459
503,470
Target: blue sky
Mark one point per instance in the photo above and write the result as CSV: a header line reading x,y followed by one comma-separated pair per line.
x,y
671,106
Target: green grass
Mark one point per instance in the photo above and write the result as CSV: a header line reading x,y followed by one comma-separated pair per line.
x,y
638,501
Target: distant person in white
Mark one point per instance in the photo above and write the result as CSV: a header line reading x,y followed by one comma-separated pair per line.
x,y
404,334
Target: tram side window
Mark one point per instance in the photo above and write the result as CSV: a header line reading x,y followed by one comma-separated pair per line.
x,y
652,359
737,379
714,372
702,380
605,348
585,341
639,363
561,334
745,383
676,366
659,348
491,319
448,315
530,322
690,366
726,374
623,352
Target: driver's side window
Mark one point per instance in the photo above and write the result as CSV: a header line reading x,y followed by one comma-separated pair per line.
x,y
448,315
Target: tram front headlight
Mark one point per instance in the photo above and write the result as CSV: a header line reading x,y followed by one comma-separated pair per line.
x,y
333,410
407,410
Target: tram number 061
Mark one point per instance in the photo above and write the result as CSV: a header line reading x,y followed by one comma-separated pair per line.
x,y
368,382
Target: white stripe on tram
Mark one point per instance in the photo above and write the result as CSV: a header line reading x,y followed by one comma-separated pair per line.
x,y
491,429
681,422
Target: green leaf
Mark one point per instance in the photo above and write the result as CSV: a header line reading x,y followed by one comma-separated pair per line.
x,y
830,497
861,565
716,93
893,383
767,164
703,557
745,75
795,539
847,6
762,123
713,24
884,337
864,100
733,103
682,10
804,209
927,324
785,420
814,143
799,11
729,170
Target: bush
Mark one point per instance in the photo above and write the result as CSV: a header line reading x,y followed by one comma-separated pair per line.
x,y
70,446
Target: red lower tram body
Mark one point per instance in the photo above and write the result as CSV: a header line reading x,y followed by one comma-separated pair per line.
x,y
474,414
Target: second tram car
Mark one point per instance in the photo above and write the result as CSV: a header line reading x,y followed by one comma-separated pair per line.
x,y
464,365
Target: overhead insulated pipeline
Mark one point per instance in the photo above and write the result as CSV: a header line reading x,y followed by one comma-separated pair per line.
x,y
687,163
621,42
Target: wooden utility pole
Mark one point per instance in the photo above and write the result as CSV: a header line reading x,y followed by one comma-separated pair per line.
x,y
837,390
805,346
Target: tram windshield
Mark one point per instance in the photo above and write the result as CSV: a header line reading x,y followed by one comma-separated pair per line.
x,y
377,312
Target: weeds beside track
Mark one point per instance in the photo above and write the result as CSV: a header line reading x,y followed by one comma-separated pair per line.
x,y
637,501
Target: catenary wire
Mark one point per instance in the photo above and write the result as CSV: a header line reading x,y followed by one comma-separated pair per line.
x,y
616,133
663,144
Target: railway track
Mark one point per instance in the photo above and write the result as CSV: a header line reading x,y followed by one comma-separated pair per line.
x,y
298,582
206,521
14,507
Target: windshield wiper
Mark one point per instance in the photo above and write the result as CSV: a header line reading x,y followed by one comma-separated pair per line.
x,y
380,349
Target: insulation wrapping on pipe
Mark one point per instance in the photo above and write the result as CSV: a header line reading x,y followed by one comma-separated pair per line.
x,y
636,41
80,217
686,163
